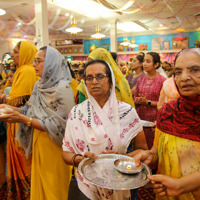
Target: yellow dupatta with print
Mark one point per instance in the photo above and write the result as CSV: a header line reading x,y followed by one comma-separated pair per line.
x,y
18,167
122,89
24,77
74,86
177,157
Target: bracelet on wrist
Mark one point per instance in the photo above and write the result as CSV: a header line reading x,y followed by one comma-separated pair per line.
x,y
73,159
29,123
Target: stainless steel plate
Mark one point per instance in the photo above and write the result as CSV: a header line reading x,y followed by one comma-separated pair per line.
x,y
147,123
102,172
128,166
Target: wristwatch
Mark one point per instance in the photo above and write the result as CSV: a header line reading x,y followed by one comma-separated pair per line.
x,y
149,103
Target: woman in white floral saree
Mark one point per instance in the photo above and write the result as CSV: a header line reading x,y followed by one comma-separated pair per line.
x,y
101,123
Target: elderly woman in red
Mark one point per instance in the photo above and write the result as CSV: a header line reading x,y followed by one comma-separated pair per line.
x,y
176,148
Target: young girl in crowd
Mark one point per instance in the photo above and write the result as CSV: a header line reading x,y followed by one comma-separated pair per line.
x,y
137,66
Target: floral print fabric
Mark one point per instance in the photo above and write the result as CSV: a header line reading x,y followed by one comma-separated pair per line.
x,y
91,128
51,101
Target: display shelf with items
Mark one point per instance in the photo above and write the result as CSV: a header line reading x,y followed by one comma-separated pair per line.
x,y
160,51
74,50
70,47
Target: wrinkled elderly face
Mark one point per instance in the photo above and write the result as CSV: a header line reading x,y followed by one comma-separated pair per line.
x,y
187,74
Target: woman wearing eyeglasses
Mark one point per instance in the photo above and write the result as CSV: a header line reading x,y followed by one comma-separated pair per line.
x,y
176,149
18,166
122,89
42,123
99,124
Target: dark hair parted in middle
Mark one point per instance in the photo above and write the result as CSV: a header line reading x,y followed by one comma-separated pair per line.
x,y
156,58
108,72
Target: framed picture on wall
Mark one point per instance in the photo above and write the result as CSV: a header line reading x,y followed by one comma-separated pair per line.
x,y
65,50
166,45
155,44
106,46
70,49
80,49
75,49
120,47
180,43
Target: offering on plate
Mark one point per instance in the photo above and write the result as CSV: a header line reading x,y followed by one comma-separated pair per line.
x,y
103,172
127,166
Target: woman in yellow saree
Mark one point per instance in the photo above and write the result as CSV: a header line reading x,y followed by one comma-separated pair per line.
x,y
19,167
122,89
42,124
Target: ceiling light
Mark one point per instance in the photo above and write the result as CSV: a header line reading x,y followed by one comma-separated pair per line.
x,y
98,35
2,12
74,29
87,8
125,43
133,45
66,14
130,27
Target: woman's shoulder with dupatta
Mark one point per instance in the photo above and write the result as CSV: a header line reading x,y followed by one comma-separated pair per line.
x,y
126,109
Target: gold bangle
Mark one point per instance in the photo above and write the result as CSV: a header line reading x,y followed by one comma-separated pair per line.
x,y
29,123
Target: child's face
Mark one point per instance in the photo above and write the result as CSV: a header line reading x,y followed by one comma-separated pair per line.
x,y
10,77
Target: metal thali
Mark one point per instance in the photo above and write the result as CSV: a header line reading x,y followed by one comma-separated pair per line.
x,y
147,123
102,172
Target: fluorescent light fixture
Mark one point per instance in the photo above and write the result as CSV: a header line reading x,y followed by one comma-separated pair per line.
x,y
87,8
2,12
130,27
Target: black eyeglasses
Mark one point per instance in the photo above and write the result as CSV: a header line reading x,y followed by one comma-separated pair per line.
x,y
37,61
99,78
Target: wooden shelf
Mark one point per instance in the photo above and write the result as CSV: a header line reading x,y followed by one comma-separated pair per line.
x,y
74,54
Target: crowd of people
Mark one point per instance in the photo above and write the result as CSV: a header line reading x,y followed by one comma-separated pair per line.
x,y
54,118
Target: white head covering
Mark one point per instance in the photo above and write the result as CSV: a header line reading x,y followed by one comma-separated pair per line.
x,y
91,128
50,102
113,128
